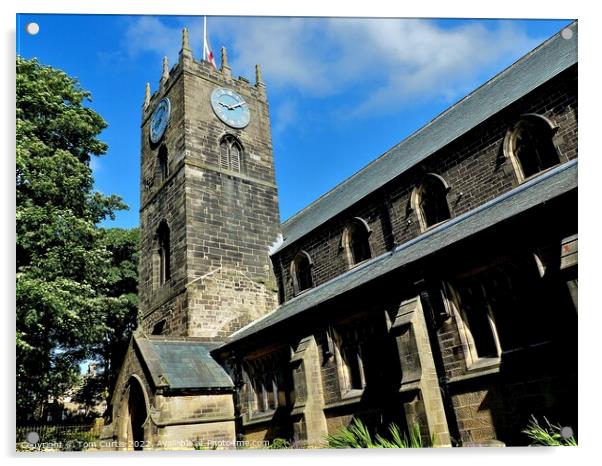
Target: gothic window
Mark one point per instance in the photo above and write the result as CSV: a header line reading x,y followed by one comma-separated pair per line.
x,y
163,164
429,200
530,147
350,361
356,241
230,153
471,306
163,253
301,272
265,385
159,327
504,307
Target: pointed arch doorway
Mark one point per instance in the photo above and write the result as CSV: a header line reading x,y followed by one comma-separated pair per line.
x,y
134,414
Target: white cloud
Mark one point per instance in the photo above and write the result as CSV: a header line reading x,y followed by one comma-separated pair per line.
x,y
151,34
416,59
95,165
286,48
285,114
379,63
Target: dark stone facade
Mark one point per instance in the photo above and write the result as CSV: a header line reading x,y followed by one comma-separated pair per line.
x,y
473,332
440,381
222,221
205,272
474,166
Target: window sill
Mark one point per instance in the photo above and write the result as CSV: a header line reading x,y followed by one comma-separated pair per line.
x,y
360,264
259,417
483,363
299,293
353,393
350,398
475,373
483,366
434,225
535,175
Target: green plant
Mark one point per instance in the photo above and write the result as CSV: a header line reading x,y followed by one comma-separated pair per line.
x,y
550,436
279,444
357,435
400,440
198,444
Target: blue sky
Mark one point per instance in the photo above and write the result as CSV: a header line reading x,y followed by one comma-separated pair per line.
x,y
341,91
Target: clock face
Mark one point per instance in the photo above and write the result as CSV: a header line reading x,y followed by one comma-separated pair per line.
x,y
159,120
230,107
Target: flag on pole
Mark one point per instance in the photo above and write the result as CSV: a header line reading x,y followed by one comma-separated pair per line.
x,y
207,52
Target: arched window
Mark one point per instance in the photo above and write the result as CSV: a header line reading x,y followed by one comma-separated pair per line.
x,y
349,359
429,200
230,153
355,241
529,145
163,164
264,386
163,253
159,327
301,272
474,317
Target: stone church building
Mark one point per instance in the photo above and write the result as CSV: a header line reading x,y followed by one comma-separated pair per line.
x,y
435,287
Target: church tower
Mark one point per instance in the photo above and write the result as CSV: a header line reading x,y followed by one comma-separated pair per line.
x,y
209,204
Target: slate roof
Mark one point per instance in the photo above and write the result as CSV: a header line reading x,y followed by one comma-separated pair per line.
x,y
179,364
548,185
538,66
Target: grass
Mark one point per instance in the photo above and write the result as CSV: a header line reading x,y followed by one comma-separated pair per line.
x,y
550,435
357,435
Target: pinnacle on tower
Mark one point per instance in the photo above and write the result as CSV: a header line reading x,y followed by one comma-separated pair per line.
x,y
226,70
165,75
258,76
186,51
147,95
185,39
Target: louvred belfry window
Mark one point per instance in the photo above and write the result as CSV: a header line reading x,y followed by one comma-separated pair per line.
x,y
230,153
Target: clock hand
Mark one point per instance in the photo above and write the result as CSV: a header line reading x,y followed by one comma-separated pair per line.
x,y
224,105
236,106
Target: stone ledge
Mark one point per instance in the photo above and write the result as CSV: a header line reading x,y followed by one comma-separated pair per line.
x,y
259,419
473,374
343,402
196,420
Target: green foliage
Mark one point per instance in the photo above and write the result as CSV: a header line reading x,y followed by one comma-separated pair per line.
x,y
121,312
279,444
549,435
74,290
57,438
399,440
357,435
200,445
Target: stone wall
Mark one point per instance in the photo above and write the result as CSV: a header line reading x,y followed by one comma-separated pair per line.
x,y
220,220
414,359
173,420
474,167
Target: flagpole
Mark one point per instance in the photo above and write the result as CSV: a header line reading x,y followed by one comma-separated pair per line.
x,y
204,37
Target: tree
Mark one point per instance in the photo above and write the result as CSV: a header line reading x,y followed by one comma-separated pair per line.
x,y
65,297
121,314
